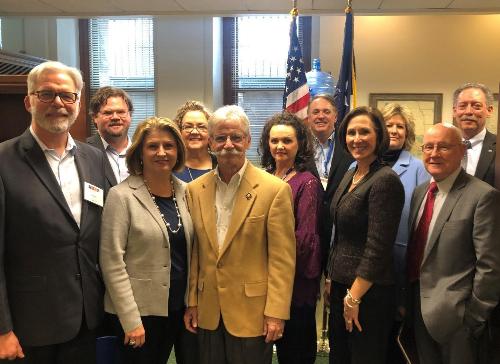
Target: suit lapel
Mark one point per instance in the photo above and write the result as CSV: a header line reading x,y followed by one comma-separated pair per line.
x,y
208,210
448,206
142,194
36,159
339,194
486,156
108,170
243,201
416,202
401,165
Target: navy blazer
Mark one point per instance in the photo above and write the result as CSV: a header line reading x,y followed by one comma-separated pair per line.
x,y
49,273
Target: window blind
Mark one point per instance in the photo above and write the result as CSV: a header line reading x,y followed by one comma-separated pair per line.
x,y
257,48
121,55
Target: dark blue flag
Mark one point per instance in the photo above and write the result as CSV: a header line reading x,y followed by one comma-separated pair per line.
x,y
346,85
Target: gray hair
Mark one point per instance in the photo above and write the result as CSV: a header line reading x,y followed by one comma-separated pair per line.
x,y
54,67
229,112
486,91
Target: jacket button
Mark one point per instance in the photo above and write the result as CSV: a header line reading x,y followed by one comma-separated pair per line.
x,y
78,276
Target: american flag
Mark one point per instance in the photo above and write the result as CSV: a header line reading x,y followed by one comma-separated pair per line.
x,y
296,95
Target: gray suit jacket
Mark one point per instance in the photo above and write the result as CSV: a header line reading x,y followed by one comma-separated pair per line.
x,y
95,141
135,251
460,271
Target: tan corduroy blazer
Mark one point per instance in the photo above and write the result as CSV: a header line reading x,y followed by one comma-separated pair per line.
x,y
135,251
253,274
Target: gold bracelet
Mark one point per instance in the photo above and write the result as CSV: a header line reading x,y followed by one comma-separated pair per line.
x,y
354,300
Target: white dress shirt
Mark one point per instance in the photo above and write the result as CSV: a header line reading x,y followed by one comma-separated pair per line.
x,y
224,201
444,188
471,157
66,173
117,160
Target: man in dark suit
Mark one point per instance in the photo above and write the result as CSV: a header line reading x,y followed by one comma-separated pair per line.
x,y
472,105
111,110
332,161
51,197
453,254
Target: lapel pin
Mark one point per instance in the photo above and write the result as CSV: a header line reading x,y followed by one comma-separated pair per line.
x,y
248,196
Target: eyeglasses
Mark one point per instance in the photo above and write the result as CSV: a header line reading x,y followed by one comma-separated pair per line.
x,y
188,128
109,113
48,96
441,148
235,138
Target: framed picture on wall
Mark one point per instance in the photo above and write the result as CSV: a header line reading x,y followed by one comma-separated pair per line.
x,y
426,109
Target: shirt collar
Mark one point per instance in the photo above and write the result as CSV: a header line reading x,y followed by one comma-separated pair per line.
x,y
238,175
478,138
106,145
70,144
328,141
446,184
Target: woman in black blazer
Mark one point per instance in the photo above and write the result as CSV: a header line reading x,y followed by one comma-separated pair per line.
x,y
366,210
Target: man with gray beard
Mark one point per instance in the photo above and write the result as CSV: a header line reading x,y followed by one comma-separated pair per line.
x,y
243,257
51,197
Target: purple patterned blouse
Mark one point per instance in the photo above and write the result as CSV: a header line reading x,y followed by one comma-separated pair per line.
x,y
307,196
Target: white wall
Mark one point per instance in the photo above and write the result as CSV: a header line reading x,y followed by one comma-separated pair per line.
x,y
416,54
184,53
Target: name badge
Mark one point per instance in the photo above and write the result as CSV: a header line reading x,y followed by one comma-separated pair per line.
x,y
93,194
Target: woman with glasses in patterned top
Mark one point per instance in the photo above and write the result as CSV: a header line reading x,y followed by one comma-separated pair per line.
x,y
192,119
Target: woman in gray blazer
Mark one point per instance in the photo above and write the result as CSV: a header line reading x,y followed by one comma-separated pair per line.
x,y
146,240
366,209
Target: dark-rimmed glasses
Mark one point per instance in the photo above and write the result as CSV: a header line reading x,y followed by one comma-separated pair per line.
x,y
48,97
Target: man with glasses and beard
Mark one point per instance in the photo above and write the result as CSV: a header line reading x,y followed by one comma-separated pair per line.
x,y
111,110
51,197
243,258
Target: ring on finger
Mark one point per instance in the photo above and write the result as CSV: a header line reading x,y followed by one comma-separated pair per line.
x,y
131,342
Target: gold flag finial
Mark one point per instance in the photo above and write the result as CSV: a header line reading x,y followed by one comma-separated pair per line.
x,y
348,9
294,11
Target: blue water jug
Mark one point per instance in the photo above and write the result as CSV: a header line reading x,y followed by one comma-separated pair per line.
x,y
319,82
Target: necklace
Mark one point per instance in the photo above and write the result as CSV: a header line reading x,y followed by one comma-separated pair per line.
x,y
290,170
190,175
360,178
179,224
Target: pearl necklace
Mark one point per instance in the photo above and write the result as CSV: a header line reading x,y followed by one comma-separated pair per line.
x,y
153,198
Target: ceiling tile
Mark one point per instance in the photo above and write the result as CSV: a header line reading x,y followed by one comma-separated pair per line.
x,y
413,4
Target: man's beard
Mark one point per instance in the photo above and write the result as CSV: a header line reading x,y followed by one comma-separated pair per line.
x,y
59,124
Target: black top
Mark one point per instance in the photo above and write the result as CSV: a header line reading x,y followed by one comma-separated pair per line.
x,y
391,157
366,223
178,254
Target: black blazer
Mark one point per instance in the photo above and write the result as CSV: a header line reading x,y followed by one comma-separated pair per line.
x,y
339,166
96,141
485,169
49,273
366,224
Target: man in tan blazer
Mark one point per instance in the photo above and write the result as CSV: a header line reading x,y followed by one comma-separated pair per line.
x,y
243,261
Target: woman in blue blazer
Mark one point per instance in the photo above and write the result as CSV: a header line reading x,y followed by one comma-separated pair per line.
x,y
411,171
